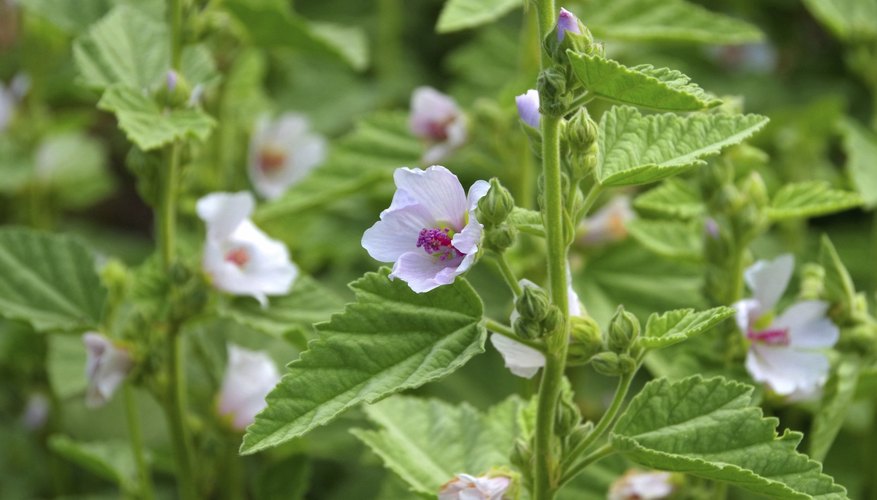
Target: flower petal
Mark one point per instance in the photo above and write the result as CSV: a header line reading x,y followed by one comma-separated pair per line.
x,y
528,107
437,189
428,107
223,212
422,272
787,370
808,326
397,231
249,377
747,312
520,359
768,279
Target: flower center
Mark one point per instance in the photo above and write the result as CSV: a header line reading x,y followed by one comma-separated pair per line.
x,y
238,257
437,130
271,159
774,336
438,242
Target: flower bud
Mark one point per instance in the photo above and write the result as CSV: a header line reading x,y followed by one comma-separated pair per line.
x,y
579,434
623,330
607,363
533,304
501,237
527,328
176,91
528,107
553,96
496,205
812,282
753,187
586,337
522,455
567,22
553,320
581,131
570,34
568,417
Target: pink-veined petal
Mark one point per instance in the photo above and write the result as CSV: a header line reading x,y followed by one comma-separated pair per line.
x,y
438,190
808,325
520,359
768,279
223,212
422,272
397,231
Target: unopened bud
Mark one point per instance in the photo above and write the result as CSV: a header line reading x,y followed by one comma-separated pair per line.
x,y
753,187
533,303
623,330
501,237
568,417
570,34
522,455
496,205
812,282
553,320
528,108
578,435
527,328
176,91
586,337
581,131
607,363
553,96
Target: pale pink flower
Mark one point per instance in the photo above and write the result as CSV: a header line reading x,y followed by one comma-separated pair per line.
x,y
609,223
639,485
429,231
528,107
436,118
786,352
567,21
239,258
282,153
106,367
249,377
466,487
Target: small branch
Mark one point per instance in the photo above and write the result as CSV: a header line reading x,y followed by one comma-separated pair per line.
x,y
598,454
507,273
136,437
501,329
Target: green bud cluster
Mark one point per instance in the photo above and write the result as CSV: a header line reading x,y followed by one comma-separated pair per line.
x,y
554,95
536,315
586,339
624,329
493,210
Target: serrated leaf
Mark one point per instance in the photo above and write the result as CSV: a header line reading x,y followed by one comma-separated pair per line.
x,y
645,86
838,395
860,145
810,199
666,20
672,198
838,285
637,149
49,281
672,239
389,340
307,303
124,47
852,20
427,442
672,327
527,221
147,125
463,14
111,460
75,17
273,24
709,428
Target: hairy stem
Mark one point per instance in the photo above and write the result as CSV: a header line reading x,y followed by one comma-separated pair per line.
x,y
176,416
503,265
136,437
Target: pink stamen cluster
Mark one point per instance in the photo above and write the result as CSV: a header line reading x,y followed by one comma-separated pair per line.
x,y
777,336
437,241
238,257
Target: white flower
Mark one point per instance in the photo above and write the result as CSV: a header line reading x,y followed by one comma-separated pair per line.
x,y
528,107
638,485
106,367
283,152
609,223
10,96
785,352
249,377
436,118
521,359
429,231
240,258
466,487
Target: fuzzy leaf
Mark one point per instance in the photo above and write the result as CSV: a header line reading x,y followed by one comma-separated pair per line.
x,y
838,284
463,14
672,327
674,198
672,239
147,125
49,281
860,145
527,221
709,428
76,17
389,340
111,460
644,86
837,397
637,149
810,199
666,20
852,20
427,442
125,47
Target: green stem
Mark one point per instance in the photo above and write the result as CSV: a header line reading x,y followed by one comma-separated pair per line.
x,y
605,423
590,199
175,409
580,101
136,436
503,265
598,454
168,210
547,19
176,13
389,35
501,329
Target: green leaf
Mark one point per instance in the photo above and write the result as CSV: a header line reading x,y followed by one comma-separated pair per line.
x,y
860,145
147,125
111,460
72,166
810,199
76,17
527,221
644,86
637,149
272,24
389,340
124,47
674,198
65,366
463,14
49,281
677,326
666,20
851,20
710,429
307,303
672,239
838,285
427,442
837,397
